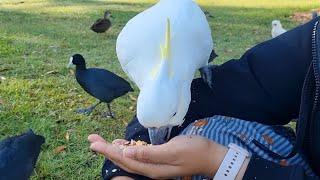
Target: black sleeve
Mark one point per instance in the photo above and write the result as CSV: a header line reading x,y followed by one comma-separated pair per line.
x,y
264,85
262,169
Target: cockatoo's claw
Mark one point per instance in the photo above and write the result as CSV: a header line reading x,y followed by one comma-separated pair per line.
x,y
159,135
206,74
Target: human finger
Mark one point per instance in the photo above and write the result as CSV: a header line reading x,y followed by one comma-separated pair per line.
x,y
95,138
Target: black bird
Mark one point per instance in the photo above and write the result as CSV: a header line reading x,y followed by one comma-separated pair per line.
x,y
207,13
206,71
314,14
102,24
213,55
99,83
18,155
206,74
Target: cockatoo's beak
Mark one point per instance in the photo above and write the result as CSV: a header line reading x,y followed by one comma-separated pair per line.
x,y
159,135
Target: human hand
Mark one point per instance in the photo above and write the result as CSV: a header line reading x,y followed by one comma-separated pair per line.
x,y
181,156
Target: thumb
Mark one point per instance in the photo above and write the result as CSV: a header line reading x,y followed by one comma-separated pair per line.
x,y
157,154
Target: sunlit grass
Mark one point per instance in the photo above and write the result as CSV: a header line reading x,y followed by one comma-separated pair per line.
x,y
263,3
39,36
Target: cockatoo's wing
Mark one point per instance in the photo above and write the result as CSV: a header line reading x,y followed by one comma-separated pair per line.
x,y
138,44
273,33
277,32
283,31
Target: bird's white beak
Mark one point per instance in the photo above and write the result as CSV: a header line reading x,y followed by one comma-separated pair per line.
x,y
70,64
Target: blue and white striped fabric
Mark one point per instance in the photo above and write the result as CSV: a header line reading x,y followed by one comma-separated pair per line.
x,y
226,130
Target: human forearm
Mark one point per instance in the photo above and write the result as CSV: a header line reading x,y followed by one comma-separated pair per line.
x,y
254,167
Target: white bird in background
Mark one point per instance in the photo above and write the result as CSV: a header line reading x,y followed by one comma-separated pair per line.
x,y
277,28
161,49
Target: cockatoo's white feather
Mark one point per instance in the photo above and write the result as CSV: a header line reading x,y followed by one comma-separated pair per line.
x,y
164,83
277,28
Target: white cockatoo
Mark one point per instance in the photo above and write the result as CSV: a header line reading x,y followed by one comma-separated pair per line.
x,y
161,49
277,28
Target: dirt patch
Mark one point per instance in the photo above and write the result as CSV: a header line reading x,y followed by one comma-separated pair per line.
x,y
303,17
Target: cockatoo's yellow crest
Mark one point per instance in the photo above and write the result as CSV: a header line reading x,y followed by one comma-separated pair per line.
x,y
165,49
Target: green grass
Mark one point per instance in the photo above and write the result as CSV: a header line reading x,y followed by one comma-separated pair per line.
x,y
39,36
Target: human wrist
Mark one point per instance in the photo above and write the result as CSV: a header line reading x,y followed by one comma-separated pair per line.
x,y
216,155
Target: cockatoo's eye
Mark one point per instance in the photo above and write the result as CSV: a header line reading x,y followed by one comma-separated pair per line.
x,y
173,114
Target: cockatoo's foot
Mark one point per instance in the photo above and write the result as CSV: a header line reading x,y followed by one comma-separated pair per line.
x,y
87,111
206,74
109,115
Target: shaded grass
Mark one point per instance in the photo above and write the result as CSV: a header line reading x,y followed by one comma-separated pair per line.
x,y
38,36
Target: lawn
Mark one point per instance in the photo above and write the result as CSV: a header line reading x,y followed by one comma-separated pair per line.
x,y
37,37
